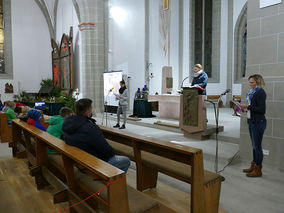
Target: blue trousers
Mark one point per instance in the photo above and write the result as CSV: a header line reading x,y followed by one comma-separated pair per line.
x,y
256,131
121,162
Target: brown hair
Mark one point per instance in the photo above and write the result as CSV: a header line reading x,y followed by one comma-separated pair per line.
x,y
122,82
199,66
65,111
258,79
82,106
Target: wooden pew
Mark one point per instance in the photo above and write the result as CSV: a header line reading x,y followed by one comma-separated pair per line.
x,y
178,161
5,129
215,98
235,98
65,169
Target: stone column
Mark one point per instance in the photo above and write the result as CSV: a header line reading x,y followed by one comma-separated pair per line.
x,y
92,51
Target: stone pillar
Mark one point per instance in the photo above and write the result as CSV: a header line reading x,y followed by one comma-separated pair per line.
x,y
93,51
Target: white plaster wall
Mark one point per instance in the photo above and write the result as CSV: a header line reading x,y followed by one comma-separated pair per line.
x,y
156,54
127,43
31,48
186,40
174,47
67,17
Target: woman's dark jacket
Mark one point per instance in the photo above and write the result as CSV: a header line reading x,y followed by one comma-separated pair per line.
x,y
257,106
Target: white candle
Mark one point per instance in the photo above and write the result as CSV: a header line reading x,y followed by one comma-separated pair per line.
x,y
77,90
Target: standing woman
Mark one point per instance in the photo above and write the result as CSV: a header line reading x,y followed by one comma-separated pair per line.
x,y
256,107
200,79
122,97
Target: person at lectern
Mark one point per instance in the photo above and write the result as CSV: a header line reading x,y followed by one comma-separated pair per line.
x,y
255,108
122,97
200,79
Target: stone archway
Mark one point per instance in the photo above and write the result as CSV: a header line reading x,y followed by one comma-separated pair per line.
x,y
240,41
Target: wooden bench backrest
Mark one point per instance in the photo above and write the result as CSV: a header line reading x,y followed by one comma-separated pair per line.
x,y
213,97
70,156
184,154
5,129
237,97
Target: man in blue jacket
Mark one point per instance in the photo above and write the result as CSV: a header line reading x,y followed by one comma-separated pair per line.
x,y
80,130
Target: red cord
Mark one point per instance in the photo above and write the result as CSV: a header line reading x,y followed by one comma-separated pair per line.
x,y
97,193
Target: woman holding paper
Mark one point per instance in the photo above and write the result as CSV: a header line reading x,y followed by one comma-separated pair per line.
x,y
200,79
122,97
256,108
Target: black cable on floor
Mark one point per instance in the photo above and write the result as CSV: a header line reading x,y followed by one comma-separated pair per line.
x,y
229,162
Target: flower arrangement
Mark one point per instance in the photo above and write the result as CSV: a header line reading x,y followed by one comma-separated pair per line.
x,y
142,94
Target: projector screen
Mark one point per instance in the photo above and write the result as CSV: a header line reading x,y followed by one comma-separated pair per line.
x,y
111,80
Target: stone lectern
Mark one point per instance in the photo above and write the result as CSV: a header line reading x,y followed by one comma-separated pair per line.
x,y
192,111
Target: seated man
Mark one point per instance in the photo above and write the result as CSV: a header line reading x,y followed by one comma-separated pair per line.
x,y
80,130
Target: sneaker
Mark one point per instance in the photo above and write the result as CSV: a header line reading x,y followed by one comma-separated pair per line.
x,y
116,126
122,127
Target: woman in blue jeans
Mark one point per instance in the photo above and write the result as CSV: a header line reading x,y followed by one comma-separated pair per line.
x,y
256,108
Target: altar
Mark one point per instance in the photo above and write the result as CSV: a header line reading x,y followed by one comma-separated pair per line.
x,y
169,105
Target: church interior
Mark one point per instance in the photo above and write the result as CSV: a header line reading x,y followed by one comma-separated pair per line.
x,y
181,79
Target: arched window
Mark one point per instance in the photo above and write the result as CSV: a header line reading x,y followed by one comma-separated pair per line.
x,y
240,46
244,52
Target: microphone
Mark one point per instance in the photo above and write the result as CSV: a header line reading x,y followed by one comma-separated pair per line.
x,y
183,81
225,92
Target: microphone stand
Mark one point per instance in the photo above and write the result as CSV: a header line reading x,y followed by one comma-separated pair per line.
x,y
216,111
183,81
105,108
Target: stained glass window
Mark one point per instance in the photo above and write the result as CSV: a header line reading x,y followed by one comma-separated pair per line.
x,y
2,64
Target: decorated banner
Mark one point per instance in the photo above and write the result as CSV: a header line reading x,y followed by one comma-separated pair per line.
x,y
62,62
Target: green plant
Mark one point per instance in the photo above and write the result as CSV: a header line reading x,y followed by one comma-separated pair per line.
x,y
68,100
48,83
17,97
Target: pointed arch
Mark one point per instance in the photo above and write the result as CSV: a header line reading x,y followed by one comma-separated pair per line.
x,y
240,41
